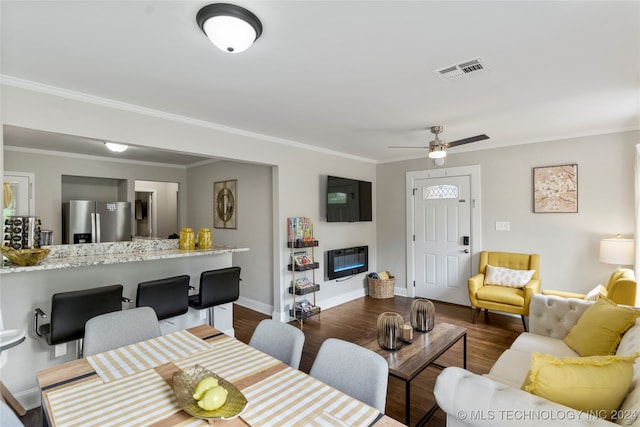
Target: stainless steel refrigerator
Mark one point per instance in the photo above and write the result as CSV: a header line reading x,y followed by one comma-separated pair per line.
x,y
87,221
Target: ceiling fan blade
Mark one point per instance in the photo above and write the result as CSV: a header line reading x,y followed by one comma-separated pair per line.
x,y
467,140
401,146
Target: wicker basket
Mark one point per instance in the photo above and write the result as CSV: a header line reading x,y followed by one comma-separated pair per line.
x,y
381,289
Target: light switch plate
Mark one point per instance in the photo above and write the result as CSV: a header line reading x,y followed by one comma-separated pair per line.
x,y
503,226
60,350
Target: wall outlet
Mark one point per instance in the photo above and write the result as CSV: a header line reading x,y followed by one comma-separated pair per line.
x,y
60,350
503,226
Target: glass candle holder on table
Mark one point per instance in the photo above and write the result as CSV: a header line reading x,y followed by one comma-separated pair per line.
x,y
423,314
390,330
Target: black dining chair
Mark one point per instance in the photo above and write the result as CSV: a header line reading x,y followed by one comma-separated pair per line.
x,y
217,287
168,297
71,310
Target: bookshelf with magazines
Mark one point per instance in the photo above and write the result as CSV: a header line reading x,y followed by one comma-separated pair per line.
x,y
303,266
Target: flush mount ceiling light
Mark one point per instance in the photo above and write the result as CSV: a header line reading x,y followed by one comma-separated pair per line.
x,y
231,28
116,148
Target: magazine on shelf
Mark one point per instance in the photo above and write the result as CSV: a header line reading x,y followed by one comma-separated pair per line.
x,y
302,283
304,305
299,228
301,258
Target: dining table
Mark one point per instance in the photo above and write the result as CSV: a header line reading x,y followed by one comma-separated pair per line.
x,y
133,386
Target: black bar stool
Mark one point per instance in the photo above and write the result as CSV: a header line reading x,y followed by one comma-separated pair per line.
x,y
217,287
71,310
169,297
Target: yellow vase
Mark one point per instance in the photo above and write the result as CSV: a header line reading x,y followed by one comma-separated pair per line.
x,y
187,239
205,238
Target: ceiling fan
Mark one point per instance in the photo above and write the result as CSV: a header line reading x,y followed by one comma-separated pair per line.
x,y
437,147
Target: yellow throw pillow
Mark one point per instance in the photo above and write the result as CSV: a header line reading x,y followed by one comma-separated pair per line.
x,y
597,385
600,328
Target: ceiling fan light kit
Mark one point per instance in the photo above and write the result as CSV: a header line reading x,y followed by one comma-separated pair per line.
x,y
437,152
231,28
438,148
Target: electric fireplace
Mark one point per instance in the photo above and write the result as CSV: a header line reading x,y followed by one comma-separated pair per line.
x,y
347,262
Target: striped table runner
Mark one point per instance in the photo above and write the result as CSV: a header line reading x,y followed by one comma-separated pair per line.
x,y
124,361
293,398
229,358
136,400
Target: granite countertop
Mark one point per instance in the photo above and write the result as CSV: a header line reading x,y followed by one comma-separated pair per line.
x,y
83,255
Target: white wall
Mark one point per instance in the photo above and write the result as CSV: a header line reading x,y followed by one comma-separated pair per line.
x,y
254,219
298,183
567,242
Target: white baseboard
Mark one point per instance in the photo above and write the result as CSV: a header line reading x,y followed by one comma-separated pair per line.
x,y
29,399
400,292
326,303
254,305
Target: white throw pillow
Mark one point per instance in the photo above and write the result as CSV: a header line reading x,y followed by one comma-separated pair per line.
x,y
507,277
595,293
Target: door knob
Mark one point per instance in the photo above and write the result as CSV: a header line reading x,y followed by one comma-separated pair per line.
x,y
466,251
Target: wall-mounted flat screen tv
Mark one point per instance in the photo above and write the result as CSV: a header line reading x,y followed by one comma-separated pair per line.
x,y
348,200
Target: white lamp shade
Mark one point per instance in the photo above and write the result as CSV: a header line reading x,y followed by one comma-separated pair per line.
x,y
229,33
617,251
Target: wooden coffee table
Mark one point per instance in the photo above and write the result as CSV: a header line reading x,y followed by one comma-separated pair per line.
x,y
411,359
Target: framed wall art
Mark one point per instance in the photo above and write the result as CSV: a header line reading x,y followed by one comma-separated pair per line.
x,y
555,189
225,204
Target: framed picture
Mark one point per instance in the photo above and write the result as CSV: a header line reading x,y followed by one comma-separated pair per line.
x,y
555,189
225,204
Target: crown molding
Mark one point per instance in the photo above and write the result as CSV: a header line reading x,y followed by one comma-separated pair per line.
x,y
132,108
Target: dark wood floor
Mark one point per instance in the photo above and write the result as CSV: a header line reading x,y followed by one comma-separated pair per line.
x,y
350,321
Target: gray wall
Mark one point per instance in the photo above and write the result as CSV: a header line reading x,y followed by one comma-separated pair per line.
x,y
49,168
254,219
567,242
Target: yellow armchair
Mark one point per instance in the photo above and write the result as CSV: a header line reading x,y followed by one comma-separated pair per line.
x,y
504,298
620,289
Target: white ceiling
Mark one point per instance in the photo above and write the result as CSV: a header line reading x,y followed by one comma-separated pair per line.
x,y
350,76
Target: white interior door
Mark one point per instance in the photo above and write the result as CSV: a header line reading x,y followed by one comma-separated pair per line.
x,y
18,194
442,233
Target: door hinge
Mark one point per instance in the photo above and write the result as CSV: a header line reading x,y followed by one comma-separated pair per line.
x,y
414,283
414,191
414,237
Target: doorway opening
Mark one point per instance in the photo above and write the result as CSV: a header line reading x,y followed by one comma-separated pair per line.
x,y
156,209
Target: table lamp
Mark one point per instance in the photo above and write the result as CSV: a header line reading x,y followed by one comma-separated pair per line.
x,y
617,250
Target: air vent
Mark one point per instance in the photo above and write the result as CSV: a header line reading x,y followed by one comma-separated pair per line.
x,y
463,69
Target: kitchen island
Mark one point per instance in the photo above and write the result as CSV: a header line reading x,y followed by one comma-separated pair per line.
x,y
73,267
91,254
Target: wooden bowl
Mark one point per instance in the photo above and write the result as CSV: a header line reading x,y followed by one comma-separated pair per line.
x,y
24,257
